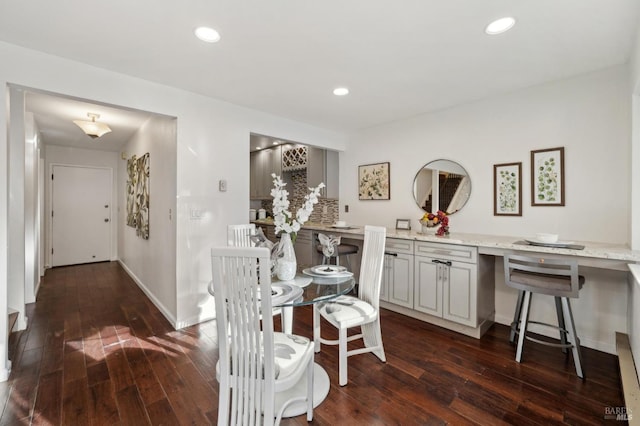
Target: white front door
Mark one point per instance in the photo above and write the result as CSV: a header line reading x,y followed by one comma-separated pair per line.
x,y
81,215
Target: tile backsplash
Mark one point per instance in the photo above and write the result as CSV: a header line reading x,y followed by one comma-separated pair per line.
x,y
326,211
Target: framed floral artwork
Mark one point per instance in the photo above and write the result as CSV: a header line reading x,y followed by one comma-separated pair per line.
x,y
373,182
507,189
547,177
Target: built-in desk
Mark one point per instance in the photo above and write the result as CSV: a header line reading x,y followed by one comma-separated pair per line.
x,y
600,311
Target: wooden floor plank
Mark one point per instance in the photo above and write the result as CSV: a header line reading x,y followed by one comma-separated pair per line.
x,y
98,352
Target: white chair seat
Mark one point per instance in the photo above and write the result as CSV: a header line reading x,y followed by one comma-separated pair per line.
x,y
291,357
348,311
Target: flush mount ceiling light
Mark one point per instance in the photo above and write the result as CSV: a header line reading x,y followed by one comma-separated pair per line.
x,y
341,91
500,25
207,34
92,128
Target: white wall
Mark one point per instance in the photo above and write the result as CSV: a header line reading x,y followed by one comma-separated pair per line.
x,y
78,157
633,319
588,115
16,232
152,262
31,214
212,144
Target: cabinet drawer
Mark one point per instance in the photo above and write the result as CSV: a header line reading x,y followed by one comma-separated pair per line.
x,y
397,245
447,251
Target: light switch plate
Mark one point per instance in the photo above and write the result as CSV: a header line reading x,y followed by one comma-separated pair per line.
x,y
222,185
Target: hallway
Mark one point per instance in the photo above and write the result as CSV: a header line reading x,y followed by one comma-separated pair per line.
x,y
97,351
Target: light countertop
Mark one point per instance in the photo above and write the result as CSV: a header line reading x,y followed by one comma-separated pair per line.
x,y
490,244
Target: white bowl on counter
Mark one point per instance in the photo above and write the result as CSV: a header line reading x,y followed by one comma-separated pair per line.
x,y
547,238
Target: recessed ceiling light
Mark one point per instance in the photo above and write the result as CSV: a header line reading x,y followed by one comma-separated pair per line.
x,y
341,91
258,147
500,25
207,34
276,142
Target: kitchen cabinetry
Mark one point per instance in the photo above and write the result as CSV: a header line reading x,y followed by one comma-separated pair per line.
x,y
304,248
262,164
323,166
445,284
397,275
318,165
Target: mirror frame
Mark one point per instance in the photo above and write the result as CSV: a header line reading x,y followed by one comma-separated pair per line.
x,y
436,206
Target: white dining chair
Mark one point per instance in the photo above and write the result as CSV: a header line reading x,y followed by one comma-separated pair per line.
x,y
256,365
364,310
240,236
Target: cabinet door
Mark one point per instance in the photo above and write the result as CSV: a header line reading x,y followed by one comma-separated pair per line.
x,y
316,168
303,248
460,293
400,280
272,163
428,286
255,181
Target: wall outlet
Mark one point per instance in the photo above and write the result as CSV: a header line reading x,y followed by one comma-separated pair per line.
x,y
222,185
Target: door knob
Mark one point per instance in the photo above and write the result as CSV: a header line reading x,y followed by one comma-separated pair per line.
x,y
106,220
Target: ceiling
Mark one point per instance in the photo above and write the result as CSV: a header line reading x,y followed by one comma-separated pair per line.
x,y
399,59
54,116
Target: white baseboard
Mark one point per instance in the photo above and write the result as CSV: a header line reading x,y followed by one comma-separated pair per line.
x,y
5,372
150,295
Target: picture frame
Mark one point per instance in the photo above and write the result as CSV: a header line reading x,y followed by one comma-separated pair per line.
x,y
547,177
404,224
507,189
374,181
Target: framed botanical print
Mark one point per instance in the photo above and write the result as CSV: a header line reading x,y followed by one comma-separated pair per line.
x,y
547,177
373,182
507,189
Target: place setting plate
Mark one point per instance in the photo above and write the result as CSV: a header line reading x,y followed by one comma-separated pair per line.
x,y
327,271
559,244
282,292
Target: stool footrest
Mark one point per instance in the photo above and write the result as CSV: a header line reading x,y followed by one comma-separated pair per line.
x,y
514,327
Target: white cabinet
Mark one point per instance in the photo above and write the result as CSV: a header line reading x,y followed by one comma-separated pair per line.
x,y
262,164
397,275
446,289
446,282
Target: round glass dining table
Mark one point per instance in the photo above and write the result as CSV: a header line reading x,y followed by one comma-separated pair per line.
x,y
315,289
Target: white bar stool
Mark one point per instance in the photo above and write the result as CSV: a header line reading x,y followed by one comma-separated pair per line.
x,y
552,277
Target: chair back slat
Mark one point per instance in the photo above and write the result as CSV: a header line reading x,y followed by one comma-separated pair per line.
x,y
247,372
372,264
240,235
547,269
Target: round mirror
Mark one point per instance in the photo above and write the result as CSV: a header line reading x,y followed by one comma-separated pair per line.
x,y
442,185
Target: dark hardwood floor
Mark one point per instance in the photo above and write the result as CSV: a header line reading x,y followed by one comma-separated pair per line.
x,y
97,351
